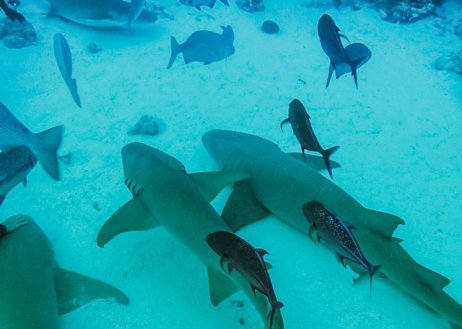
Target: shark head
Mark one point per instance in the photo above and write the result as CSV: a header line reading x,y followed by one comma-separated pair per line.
x,y
142,163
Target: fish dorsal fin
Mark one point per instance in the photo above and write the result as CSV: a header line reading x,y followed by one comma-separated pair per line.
x,y
74,290
314,161
381,222
212,182
132,216
242,207
221,286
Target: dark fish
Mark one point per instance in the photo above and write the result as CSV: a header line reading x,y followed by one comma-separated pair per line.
x,y
15,165
198,3
337,235
43,145
64,60
204,46
238,254
300,122
342,60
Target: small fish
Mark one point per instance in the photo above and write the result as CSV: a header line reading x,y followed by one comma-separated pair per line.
x,y
43,145
337,235
135,10
204,46
238,254
342,60
198,3
15,165
64,60
300,122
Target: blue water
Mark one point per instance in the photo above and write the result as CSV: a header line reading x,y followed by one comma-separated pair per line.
x,y
399,134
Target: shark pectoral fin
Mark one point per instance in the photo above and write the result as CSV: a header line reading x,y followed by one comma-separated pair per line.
x,y
242,207
211,183
221,286
381,222
315,162
74,290
132,216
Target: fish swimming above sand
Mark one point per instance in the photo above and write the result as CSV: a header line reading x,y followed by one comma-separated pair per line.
x,y
15,165
164,194
199,3
281,183
204,46
236,253
301,126
101,13
63,58
35,290
337,235
342,60
43,145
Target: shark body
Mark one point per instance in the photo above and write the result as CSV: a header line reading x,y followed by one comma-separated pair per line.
x,y
34,289
280,183
164,194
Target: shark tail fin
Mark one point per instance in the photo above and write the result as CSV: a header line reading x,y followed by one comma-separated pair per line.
x,y
381,223
132,216
48,142
176,49
326,154
74,290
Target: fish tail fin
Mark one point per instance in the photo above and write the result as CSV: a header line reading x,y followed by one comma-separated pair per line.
x,y
48,142
354,73
225,2
325,155
276,306
175,51
372,271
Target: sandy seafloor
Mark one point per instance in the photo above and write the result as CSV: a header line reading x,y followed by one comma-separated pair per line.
x,y
400,135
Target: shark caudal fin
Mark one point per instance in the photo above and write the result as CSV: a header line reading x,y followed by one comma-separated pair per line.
x,y
45,149
221,287
74,290
211,183
242,207
380,222
325,155
132,216
175,51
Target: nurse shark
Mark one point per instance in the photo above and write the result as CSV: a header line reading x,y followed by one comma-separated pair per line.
x,y
34,289
101,13
281,183
164,194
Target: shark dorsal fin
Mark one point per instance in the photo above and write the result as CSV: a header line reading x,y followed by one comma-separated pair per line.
x,y
314,161
381,222
211,183
132,216
242,207
221,286
74,290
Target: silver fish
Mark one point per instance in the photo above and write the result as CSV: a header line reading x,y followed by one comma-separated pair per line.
x,y
238,254
43,145
337,235
301,126
198,3
204,46
64,60
15,165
